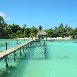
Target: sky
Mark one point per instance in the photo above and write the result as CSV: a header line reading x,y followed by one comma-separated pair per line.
x,y
48,13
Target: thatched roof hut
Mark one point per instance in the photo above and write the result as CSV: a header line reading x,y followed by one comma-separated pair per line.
x,y
41,34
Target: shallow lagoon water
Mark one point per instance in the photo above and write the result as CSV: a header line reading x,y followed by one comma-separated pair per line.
x,y
61,61
10,43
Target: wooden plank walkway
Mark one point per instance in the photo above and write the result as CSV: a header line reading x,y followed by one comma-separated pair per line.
x,y
9,51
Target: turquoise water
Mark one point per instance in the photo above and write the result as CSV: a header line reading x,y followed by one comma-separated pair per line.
x,y
10,43
60,61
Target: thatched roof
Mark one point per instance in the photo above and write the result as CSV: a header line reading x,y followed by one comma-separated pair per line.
x,y
41,32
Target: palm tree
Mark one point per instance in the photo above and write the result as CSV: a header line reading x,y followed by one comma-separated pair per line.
x,y
24,26
40,28
33,31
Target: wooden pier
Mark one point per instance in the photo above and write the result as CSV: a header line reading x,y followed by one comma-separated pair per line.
x,y
4,54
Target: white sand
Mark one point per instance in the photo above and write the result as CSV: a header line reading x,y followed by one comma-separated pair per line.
x,y
58,38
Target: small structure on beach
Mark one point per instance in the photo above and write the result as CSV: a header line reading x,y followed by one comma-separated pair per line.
x,y
74,36
41,34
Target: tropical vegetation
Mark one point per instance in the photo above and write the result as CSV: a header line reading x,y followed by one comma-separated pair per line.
x,y
16,31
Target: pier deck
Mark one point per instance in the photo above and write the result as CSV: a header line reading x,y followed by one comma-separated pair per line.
x,y
9,51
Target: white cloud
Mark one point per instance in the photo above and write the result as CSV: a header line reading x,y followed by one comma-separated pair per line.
x,y
4,15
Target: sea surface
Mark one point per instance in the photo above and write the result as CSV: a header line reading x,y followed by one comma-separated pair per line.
x,y
49,59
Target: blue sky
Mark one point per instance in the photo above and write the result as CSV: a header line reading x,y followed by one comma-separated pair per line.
x,y
48,13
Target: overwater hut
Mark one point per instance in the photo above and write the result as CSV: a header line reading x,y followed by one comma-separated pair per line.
x,y
42,34
74,36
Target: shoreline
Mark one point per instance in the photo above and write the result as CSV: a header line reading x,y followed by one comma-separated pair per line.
x,y
58,38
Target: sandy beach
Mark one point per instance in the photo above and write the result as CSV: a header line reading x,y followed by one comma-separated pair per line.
x,y
57,38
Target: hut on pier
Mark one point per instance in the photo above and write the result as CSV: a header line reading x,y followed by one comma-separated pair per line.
x,y
42,35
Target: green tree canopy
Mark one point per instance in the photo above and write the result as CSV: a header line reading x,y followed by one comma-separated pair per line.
x,y
40,27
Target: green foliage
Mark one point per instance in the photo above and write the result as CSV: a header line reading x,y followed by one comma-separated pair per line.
x,y
27,32
49,32
15,31
40,27
33,31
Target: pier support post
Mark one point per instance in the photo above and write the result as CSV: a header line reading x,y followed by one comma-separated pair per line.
x,y
17,41
44,43
20,51
28,45
45,53
6,45
14,56
6,57
25,55
23,49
